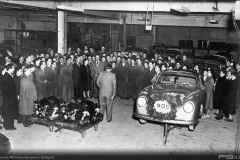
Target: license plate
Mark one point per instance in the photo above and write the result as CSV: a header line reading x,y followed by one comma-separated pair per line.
x,y
162,106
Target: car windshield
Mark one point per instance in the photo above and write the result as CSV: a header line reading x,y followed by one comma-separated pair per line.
x,y
222,60
179,79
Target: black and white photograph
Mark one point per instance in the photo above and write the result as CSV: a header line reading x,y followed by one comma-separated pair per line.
x,y
115,79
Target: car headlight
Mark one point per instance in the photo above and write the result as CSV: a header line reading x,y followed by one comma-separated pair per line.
x,y
188,107
142,101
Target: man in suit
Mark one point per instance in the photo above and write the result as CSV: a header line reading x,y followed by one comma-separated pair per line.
x,y
40,79
10,102
123,73
96,67
59,79
102,51
49,77
76,78
107,84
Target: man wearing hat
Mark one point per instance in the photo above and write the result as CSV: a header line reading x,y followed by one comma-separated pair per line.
x,y
106,81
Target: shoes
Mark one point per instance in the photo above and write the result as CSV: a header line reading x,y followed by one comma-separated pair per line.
x,y
11,128
19,121
216,113
206,116
27,125
218,117
228,120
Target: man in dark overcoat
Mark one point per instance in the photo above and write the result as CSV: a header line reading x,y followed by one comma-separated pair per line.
x,y
107,84
59,79
76,79
139,77
10,102
131,88
123,73
49,77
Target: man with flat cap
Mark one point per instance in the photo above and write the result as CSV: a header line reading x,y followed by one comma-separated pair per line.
x,y
106,81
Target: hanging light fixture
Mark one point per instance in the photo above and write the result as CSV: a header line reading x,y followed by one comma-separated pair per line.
x,y
213,20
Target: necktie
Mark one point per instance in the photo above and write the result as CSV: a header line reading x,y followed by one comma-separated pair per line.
x,y
97,63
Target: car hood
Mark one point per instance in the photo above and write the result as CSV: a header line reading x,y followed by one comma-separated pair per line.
x,y
184,92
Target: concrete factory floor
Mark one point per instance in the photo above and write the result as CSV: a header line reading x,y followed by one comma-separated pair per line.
x,y
125,135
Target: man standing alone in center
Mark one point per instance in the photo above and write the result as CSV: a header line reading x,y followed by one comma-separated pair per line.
x,y
107,84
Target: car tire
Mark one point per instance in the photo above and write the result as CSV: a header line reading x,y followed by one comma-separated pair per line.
x,y
201,111
142,121
191,128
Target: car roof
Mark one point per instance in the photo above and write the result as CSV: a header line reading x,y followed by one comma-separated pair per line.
x,y
181,72
214,57
208,61
225,54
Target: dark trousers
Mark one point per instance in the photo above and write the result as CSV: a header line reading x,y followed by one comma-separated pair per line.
x,y
49,88
95,89
8,123
123,88
131,88
76,91
25,119
106,102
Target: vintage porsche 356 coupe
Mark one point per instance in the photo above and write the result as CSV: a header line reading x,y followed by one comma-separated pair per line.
x,y
175,101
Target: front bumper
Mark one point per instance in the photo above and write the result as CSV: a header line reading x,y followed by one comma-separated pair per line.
x,y
174,122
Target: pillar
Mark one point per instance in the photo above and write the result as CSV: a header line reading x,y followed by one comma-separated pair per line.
x,y
62,38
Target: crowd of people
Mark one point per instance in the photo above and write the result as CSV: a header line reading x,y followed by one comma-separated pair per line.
x,y
73,77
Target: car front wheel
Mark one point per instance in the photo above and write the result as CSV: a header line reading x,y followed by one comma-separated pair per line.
x,y
191,128
142,121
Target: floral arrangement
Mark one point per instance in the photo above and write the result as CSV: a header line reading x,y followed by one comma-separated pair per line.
x,y
171,99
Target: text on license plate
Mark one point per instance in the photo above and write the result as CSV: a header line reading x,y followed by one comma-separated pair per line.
x,y
162,106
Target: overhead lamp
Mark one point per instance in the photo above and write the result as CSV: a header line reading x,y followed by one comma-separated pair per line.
x,y
68,8
180,8
213,21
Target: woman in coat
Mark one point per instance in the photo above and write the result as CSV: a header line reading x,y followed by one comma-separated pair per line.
x,y
220,93
10,102
231,95
85,78
208,84
28,94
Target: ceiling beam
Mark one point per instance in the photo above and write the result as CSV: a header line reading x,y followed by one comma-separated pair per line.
x,y
134,6
107,14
